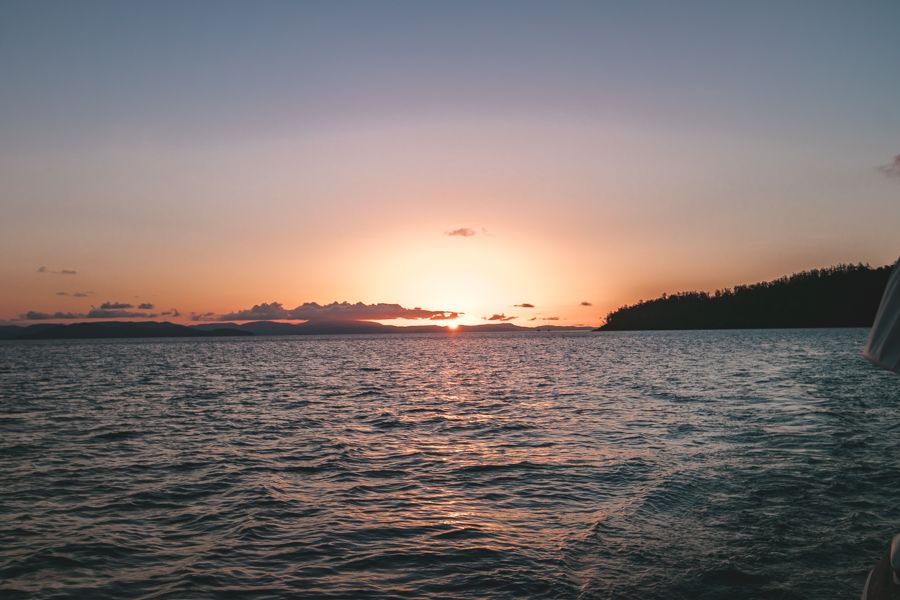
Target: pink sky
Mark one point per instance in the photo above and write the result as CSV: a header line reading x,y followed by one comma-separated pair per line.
x,y
317,153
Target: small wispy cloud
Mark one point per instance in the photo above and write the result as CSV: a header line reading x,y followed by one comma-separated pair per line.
x,y
116,305
892,169
172,312
550,319
106,313
445,315
46,271
499,317
94,313
36,315
586,304
524,305
75,294
145,306
462,232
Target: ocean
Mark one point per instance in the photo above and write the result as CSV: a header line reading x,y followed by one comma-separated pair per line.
x,y
707,464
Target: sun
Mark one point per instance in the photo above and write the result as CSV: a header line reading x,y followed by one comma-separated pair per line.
x,y
452,325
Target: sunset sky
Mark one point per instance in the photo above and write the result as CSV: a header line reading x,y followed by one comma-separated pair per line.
x,y
202,158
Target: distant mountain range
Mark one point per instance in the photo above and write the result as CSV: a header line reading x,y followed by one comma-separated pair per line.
x,y
840,296
112,329
153,329
345,327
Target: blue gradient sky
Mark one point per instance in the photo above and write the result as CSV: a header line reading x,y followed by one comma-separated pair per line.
x,y
211,156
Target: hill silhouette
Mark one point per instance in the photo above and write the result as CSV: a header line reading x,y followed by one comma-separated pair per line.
x,y
115,329
152,329
323,327
839,296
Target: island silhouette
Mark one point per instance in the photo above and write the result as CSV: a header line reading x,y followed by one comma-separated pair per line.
x,y
840,296
155,329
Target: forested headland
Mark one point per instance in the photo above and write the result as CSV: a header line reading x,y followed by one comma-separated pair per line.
x,y
839,296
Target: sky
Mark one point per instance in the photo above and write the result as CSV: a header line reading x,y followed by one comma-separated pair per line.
x,y
461,158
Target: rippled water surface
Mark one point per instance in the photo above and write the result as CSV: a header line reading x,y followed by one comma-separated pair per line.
x,y
754,464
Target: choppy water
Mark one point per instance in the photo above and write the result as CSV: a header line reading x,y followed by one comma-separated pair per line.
x,y
755,464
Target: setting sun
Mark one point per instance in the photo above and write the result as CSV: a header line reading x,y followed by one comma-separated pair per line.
x,y
452,325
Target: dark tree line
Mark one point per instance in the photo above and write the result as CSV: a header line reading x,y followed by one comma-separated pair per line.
x,y
839,296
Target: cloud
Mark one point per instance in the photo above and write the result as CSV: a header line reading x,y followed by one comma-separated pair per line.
x,y
336,311
259,312
444,315
47,271
500,317
75,294
207,316
524,305
36,315
550,319
892,169
116,305
108,313
462,232
310,311
586,304
94,313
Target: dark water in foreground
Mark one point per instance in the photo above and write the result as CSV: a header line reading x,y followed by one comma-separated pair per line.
x,y
756,464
